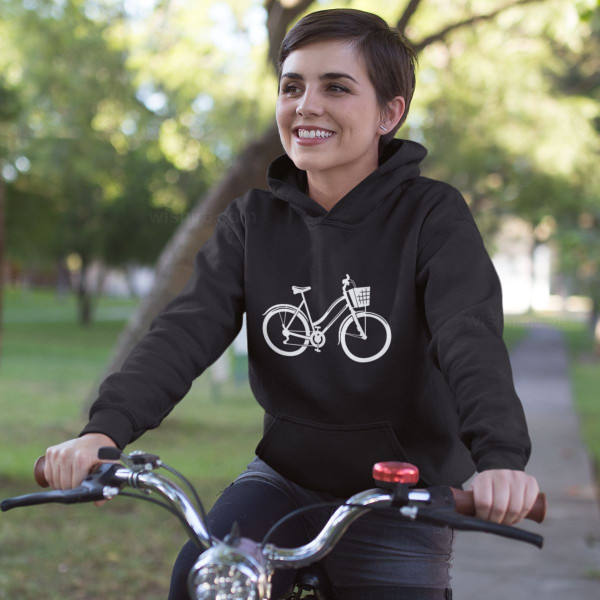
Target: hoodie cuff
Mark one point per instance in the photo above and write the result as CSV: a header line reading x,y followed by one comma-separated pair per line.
x,y
112,423
501,458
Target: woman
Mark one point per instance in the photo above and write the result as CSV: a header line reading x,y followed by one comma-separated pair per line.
x,y
346,199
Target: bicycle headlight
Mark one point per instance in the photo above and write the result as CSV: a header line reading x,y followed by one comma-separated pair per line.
x,y
225,572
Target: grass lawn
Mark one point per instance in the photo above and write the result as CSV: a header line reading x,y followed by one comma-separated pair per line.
x,y
585,376
125,549
513,333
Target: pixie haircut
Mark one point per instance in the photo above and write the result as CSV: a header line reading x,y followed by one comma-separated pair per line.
x,y
389,59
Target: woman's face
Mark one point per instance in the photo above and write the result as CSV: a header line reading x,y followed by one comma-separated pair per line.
x,y
325,92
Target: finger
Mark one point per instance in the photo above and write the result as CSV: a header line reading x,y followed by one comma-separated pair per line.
x,y
501,498
48,468
64,472
482,497
516,502
53,467
81,466
530,495
77,470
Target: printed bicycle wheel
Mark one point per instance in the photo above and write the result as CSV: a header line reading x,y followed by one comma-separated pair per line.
x,y
376,343
286,319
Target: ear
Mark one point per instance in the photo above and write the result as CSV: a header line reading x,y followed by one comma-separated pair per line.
x,y
393,112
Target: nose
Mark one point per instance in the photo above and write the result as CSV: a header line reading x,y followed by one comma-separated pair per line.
x,y
309,104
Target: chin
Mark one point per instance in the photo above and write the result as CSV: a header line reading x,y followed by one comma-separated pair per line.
x,y
308,163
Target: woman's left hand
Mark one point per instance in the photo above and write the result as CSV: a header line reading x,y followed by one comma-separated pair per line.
x,y
504,495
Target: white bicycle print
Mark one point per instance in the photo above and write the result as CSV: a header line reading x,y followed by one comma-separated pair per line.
x,y
290,330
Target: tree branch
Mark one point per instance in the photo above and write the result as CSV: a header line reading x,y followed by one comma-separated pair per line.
x,y
409,11
443,34
278,20
580,72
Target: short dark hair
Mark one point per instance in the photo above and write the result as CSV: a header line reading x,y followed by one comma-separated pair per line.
x,y
390,60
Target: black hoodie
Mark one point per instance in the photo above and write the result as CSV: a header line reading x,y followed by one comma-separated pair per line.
x,y
432,382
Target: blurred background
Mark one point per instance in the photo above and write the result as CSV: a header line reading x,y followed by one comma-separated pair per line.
x,y
126,127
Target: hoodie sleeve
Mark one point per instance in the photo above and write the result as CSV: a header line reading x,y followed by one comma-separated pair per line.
x,y
190,333
462,300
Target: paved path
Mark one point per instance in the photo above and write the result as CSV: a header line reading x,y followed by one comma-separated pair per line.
x,y
486,567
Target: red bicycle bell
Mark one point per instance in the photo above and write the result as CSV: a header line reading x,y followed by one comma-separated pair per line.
x,y
395,472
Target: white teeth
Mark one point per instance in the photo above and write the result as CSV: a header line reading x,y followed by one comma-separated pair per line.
x,y
306,134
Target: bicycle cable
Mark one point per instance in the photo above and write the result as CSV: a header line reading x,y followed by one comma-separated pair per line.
x,y
191,488
162,505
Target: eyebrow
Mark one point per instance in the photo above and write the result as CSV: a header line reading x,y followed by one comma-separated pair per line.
x,y
323,77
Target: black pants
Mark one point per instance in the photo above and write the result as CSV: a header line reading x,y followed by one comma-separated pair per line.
x,y
256,505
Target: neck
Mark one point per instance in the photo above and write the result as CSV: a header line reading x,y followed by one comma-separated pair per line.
x,y
327,189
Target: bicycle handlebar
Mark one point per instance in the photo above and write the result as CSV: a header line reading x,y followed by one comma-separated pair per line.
x,y
236,561
464,503
105,482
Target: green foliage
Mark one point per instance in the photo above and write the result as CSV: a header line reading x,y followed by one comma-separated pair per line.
x,y
485,108
9,102
95,168
208,59
575,75
127,116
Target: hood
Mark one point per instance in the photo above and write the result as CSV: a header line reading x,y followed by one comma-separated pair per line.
x,y
398,163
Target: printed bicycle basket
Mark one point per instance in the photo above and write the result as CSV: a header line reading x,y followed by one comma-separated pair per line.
x,y
360,296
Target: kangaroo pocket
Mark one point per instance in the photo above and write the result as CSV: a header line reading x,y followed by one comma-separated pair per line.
x,y
337,459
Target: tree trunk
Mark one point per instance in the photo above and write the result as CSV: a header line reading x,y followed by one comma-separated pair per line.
x,y
129,274
594,321
2,245
278,18
98,286
84,299
175,263
64,285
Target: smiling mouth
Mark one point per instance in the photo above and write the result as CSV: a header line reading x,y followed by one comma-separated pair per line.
x,y
311,134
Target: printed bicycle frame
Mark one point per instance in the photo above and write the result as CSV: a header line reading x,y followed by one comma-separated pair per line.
x,y
316,325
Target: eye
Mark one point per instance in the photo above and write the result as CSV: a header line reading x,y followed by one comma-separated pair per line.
x,y
336,87
290,88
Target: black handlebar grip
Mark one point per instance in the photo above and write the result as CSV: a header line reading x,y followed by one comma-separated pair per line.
x,y
78,494
38,472
465,505
109,453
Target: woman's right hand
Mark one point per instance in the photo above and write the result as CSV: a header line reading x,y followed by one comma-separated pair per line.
x,y
69,463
